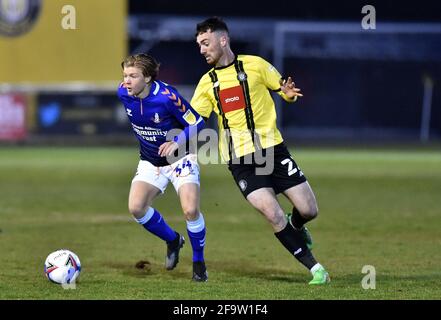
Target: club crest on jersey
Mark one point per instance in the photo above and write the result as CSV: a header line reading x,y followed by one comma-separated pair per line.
x,y
241,76
156,119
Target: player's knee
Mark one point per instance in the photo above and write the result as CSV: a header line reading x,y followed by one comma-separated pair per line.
x,y
311,213
138,210
276,218
191,213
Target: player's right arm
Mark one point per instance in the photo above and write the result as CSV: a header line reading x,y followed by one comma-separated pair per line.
x,y
201,101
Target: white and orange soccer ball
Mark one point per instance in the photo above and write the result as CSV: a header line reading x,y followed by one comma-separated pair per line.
x,y
62,267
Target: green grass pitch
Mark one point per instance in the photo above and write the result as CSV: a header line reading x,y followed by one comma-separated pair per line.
x,y
377,207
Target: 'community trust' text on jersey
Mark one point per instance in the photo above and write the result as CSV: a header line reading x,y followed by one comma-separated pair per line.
x,y
154,116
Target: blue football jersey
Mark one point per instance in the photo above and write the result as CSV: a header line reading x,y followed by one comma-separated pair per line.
x,y
162,110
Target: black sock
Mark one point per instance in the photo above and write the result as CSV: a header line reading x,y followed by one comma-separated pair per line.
x,y
293,241
174,243
297,220
199,267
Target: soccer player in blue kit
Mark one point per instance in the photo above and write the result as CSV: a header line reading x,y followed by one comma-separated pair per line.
x,y
154,108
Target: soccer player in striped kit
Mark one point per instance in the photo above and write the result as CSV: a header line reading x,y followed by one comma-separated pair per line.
x,y
237,88
155,110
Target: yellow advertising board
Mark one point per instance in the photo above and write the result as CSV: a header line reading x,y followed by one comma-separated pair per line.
x,y
53,41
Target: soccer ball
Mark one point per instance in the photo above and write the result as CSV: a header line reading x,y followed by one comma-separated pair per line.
x,y
62,267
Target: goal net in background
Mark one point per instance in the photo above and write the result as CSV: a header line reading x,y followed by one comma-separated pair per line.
x,y
372,84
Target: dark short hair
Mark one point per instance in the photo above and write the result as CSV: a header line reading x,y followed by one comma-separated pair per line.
x,y
212,24
143,61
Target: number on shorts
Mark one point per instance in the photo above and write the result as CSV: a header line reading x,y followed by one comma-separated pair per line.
x,y
290,163
186,163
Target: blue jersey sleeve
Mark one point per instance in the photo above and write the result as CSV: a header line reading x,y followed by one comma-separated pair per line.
x,y
185,114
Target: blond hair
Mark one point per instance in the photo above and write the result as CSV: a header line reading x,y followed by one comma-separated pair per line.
x,y
146,63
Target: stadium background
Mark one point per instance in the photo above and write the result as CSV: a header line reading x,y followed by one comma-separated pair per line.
x,y
367,132
360,85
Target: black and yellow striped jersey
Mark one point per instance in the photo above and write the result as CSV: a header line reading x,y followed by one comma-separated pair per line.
x,y
240,95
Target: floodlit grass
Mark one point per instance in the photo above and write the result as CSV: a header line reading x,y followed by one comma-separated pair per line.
x,y
377,207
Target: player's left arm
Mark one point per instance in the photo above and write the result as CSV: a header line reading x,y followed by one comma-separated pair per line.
x,y
188,117
273,80
288,87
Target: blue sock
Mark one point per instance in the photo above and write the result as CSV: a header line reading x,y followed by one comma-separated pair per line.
x,y
196,233
155,223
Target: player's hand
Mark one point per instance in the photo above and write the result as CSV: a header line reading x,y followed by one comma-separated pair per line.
x,y
288,87
168,148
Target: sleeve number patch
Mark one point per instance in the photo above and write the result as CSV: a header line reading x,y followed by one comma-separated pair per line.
x,y
189,117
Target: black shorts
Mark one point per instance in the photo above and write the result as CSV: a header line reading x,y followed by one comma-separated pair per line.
x,y
268,168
